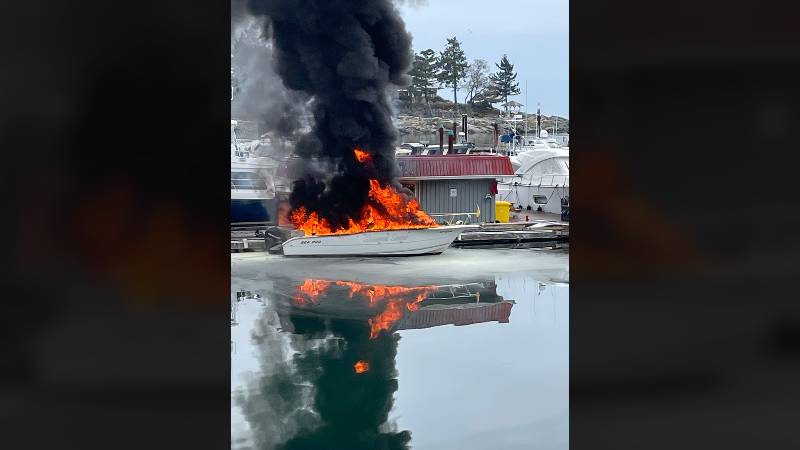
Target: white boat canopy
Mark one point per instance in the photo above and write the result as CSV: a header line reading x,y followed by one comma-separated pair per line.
x,y
554,161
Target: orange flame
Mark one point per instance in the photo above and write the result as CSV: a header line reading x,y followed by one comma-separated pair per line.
x,y
362,156
400,299
387,209
361,366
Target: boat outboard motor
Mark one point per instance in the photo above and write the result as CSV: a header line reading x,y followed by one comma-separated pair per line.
x,y
565,209
274,236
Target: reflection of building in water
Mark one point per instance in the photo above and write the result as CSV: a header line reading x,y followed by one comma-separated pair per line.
x,y
447,315
462,304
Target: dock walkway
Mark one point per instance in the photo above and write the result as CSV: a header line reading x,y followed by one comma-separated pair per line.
x,y
542,228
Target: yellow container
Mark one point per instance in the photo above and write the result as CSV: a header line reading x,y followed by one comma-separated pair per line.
x,y
502,210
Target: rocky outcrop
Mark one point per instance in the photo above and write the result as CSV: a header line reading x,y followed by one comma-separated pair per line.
x,y
413,125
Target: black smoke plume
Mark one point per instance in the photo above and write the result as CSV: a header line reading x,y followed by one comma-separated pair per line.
x,y
258,93
347,55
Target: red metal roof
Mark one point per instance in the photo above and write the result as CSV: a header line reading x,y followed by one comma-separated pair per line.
x,y
426,318
467,166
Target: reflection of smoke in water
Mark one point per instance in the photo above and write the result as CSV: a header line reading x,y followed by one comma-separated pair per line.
x,y
351,377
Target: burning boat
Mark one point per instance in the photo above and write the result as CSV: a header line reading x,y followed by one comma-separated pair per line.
x,y
389,223
418,241
346,198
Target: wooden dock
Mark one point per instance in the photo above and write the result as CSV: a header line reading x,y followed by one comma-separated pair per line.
x,y
542,232
247,241
250,237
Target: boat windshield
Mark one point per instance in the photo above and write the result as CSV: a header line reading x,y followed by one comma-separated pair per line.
x,y
248,180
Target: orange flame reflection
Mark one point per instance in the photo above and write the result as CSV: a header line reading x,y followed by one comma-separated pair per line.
x,y
394,312
361,366
387,209
400,299
311,289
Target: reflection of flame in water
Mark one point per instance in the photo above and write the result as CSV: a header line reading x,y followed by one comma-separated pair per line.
x,y
394,312
361,366
400,298
354,287
387,209
311,289
384,320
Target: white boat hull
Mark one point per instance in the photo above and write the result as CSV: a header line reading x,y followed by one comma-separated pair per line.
x,y
423,241
525,195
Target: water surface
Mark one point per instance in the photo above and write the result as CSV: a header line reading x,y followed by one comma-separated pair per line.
x,y
464,350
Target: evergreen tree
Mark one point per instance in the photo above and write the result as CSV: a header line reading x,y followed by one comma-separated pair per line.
x,y
453,67
502,82
424,80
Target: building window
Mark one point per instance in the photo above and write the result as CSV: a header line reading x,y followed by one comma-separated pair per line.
x,y
411,187
453,191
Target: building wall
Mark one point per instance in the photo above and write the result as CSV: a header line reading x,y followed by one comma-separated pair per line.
x,y
434,197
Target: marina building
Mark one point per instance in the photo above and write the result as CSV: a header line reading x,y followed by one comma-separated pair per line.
x,y
455,187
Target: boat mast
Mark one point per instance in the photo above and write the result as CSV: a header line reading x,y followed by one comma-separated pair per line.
x,y
538,120
525,138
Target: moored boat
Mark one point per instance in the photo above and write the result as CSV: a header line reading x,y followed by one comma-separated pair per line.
x,y
252,186
541,181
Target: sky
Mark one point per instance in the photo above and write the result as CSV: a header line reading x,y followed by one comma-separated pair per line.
x,y
533,33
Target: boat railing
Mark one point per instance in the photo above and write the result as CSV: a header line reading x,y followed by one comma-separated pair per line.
x,y
454,218
248,186
456,291
559,180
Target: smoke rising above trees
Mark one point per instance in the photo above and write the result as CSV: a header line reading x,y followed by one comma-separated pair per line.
x,y
347,56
